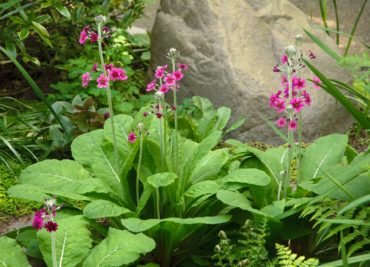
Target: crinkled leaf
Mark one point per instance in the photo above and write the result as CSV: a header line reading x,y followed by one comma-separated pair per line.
x,y
123,126
72,241
11,253
28,192
162,179
119,248
103,208
248,176
62,178
202,188
325,153
223,117
89,149
238,200
139,225
209,166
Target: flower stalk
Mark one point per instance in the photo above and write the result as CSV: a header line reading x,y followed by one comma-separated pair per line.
x,y
141,136
99,22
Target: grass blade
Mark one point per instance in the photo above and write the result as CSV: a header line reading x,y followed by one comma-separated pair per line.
x,y
323,11
34,86
351,260
336,20
329,87
354,27
323,46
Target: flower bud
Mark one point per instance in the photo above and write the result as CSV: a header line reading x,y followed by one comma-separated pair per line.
x,y
298,40
291,51
217,249
222,235
101,20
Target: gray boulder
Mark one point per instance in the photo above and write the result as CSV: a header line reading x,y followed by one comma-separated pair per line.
x,y
231,48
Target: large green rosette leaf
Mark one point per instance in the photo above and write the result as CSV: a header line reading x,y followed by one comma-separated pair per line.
x,y
119,248
63,178
324,154
11,253
72,241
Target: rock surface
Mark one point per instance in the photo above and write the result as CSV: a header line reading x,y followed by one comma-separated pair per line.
x,y
231,47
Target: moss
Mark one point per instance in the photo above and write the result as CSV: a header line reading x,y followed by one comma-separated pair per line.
x,y
12,207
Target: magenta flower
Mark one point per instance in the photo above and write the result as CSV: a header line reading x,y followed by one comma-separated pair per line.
x,y
95,67
83,37
280,105
306,97
131,137
297,104
103,81
284,80
94,37
284,59
300,83
159,72
117,74
281,122
169,79
86,79
274,98
164,88
316,82
150,86
108,67
178,75
311,55
106,115
286,92
276,69
38,219
292,125
183,66
51,226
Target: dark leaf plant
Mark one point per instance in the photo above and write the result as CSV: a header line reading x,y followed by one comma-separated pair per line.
x,y
180,210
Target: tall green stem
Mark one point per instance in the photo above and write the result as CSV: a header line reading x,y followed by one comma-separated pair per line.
x,y
175,120
299,155
290,134
109,96
139,166
157,203
163,102
53,250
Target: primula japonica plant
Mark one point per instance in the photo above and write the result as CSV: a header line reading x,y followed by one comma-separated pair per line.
x,y
170,188
290,102
108,72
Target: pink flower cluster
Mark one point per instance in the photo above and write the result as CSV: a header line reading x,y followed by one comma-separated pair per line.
x,y
88,34
46,214
167,80
299,99
114,74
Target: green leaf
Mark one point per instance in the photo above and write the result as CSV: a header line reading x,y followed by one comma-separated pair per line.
x,y
23,34
351,260
63,11
325,153
89,149
248,176
329,87
123,126
72,241
103,208
355,204
11,253
162,179
237,124
139,225
200,151
223,117
61,178
119,248
29,192
238,200
209,166
42,32
202,188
